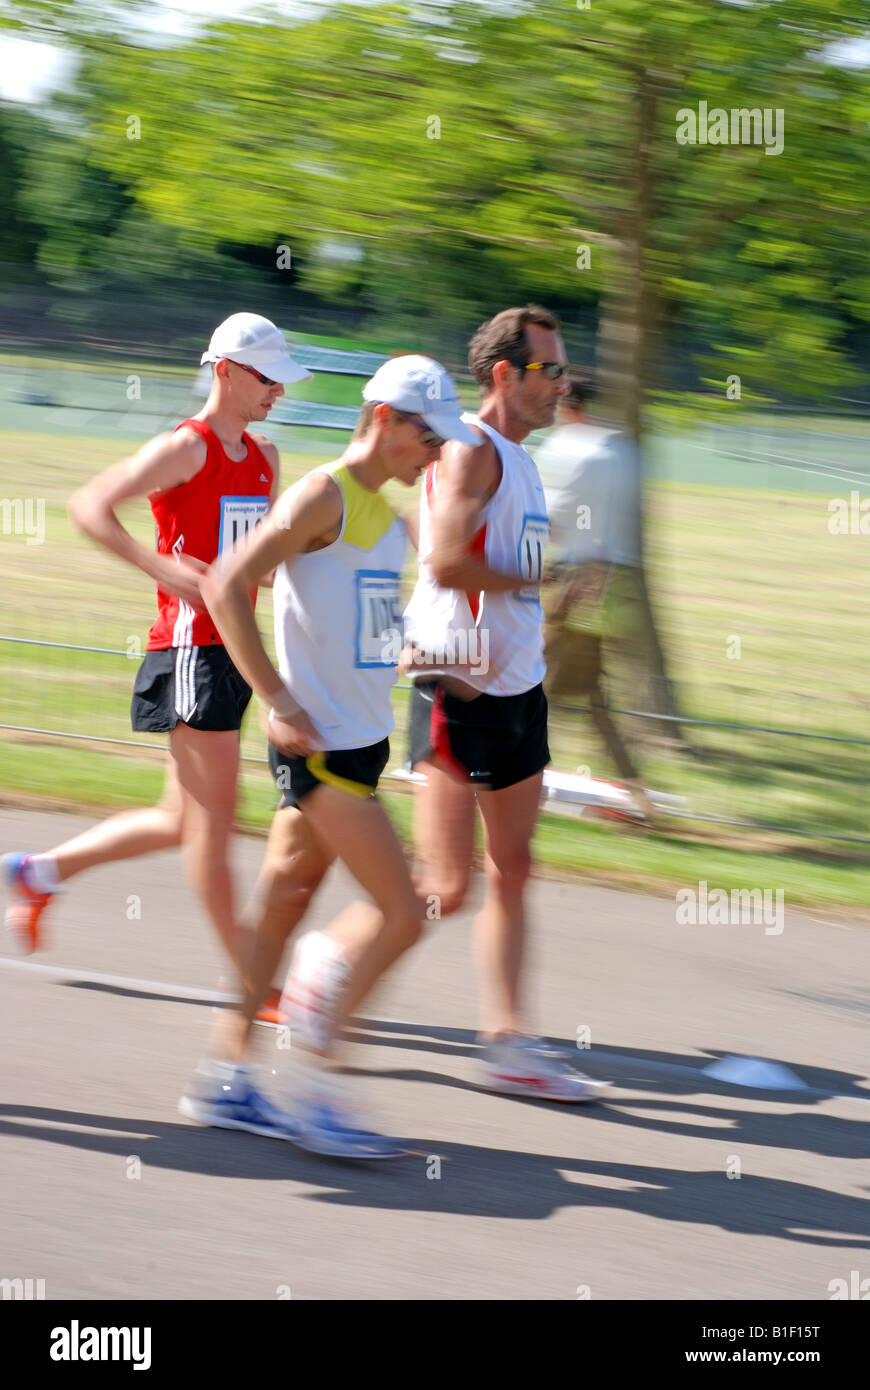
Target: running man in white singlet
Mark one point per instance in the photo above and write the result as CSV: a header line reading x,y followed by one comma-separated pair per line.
x,y
337,548
478,709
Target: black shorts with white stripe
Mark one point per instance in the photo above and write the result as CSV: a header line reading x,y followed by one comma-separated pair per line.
x,y
198,686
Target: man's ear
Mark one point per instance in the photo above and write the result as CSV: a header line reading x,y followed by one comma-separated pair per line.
x,y
502,372
383,413
221,368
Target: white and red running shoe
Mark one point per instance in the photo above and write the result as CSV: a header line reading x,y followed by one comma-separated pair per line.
x,y
316,979
520,1066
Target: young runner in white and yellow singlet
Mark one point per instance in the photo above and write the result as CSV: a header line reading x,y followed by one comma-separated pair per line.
x,y
337,548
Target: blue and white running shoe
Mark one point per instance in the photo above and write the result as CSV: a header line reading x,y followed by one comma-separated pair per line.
x,y
332,1131
224,1096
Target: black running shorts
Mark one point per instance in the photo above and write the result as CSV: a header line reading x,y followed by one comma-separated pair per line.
x,y
493,741
352,770
197,686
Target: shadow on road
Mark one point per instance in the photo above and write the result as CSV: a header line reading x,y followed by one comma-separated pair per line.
x,y
641,1067
474,1181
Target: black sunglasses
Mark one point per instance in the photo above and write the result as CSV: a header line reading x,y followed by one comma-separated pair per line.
x,y
428,436
252,371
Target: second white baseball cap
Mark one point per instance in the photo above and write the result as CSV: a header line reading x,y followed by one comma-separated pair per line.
x,y
253,341
421,386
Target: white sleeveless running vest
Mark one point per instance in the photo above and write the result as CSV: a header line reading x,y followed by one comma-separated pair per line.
x,y
338,623
499,635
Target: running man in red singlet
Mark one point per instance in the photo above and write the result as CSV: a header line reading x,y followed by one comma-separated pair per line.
x,y
208,484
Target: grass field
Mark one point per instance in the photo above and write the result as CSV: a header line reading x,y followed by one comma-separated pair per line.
x,y
734,561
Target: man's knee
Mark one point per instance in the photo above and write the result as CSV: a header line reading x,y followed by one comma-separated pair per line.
x,y
214,822
510,870
173,821
290,890
405,924
442,897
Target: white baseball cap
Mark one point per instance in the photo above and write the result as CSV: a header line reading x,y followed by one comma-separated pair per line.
x,y
421,386
253,341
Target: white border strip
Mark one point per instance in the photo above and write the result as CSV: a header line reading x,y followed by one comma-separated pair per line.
x,y
65,972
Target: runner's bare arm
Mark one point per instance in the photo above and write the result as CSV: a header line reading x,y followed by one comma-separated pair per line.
x,y
412,526
272,456
160,465
306,517
468,475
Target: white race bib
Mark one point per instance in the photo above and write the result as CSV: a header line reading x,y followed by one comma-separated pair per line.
x,y
239,516
533,541
379,626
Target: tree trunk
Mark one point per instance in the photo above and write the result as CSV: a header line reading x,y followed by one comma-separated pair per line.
x,y
628,332
628,320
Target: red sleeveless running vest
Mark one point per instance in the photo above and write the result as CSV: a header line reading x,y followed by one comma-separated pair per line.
x,y
205,517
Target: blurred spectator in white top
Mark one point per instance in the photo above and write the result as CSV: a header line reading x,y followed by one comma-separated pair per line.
x,y
596,599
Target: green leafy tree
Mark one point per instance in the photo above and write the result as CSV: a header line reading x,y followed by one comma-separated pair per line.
x,y
479,154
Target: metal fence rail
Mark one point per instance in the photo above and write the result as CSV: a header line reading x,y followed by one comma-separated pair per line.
x,y
674,812
401,685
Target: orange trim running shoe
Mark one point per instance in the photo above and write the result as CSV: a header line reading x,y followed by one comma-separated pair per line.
x,y
26,908
269,1012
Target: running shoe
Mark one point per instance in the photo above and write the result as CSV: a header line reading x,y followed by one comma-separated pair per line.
x,y
27,906
225,1097
333,1132
317,977
525,1067
269,1012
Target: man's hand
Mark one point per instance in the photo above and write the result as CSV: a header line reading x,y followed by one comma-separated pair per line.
x,y
453,676
584,587
296,735
184,578
590,582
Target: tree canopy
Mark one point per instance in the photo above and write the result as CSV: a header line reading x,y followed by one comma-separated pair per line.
x,y
468,155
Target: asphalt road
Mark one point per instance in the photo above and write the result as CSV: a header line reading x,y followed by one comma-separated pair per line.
x,y
627,1199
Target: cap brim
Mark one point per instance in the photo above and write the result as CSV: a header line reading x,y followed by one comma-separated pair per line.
x,y
450,426
282,369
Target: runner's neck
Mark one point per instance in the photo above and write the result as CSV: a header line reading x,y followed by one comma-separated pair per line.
x,y
230,431
495,413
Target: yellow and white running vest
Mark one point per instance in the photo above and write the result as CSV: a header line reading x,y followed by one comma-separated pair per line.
x,y
499,635
338,623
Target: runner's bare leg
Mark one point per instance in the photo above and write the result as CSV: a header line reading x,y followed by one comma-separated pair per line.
x,y
444,819
361,834
294,868
207,767
125,836
509,819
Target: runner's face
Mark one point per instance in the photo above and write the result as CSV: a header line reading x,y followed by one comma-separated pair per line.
x,y
252,398
411,453
533,396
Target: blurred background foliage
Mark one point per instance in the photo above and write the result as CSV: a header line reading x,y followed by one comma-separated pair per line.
x,y
426,165
431,163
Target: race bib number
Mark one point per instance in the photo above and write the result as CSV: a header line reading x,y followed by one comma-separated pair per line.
x,y
533,542
379,632
239,516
